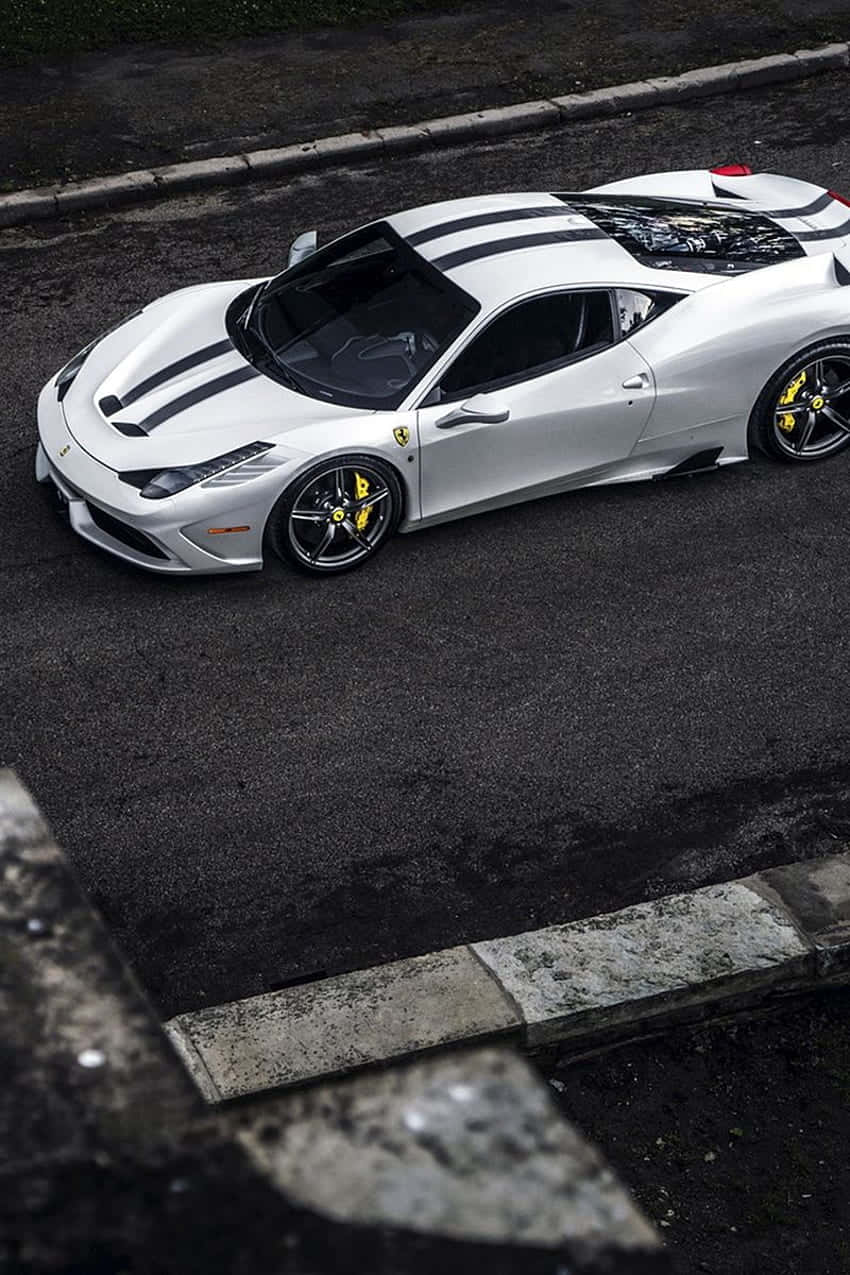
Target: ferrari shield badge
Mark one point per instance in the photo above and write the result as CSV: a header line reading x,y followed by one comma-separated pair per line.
x,y
401,434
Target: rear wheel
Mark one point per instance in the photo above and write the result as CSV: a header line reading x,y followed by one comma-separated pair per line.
x,y
803,413
336,515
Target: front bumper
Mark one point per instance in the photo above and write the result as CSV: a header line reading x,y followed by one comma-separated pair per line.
x,y
170,536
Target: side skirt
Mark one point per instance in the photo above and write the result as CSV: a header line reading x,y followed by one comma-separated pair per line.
x,y
606,475
699,463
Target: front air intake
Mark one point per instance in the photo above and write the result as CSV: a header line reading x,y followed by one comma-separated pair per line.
x,y
125,534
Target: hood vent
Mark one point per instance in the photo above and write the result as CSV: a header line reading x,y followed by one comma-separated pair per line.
x,y
128,429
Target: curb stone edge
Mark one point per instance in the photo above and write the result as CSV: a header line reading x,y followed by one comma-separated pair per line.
x,y
720,950
39,203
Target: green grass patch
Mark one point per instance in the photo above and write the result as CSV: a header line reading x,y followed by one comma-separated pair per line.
x,y
32,28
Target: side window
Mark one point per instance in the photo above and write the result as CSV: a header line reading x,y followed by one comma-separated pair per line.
x,y
529,338
637,308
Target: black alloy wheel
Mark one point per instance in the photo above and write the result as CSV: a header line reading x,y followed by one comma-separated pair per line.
x,y
803,413
336,515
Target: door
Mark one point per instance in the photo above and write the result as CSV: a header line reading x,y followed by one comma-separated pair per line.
x,y
536,398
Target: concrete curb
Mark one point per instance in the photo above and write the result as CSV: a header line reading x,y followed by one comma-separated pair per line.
x,y
54,201
724,949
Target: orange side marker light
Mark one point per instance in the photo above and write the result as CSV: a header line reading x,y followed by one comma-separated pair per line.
x,y
224,531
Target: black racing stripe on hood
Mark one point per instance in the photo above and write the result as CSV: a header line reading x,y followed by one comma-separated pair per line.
x,y
444,228
497,246
209,390
174,369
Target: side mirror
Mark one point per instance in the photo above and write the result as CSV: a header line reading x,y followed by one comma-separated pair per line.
x,y
304,246
481,408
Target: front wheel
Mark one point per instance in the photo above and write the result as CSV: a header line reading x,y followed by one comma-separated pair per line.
x,y
803,413
336,515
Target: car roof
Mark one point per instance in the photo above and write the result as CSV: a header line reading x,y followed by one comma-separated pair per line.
x,y
497,247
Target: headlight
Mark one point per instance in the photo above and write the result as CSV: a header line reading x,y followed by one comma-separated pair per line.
x,y
66,377
156,484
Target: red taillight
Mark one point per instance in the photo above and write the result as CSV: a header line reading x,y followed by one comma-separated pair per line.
x,y
841,199
732,170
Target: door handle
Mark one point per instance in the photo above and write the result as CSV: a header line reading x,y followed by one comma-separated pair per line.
x,y
639,382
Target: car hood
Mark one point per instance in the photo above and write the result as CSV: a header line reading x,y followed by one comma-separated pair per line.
x,y
168,388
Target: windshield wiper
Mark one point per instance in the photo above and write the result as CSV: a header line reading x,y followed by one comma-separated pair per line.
x,y
246,317
265,359
287,376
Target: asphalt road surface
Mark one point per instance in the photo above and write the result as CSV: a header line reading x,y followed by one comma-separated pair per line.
x,y
508,721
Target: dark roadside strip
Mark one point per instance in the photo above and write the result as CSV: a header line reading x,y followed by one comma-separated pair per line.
x,y
732,1137
278,72
28,205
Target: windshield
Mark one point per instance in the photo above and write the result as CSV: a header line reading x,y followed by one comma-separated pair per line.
x,y
359,322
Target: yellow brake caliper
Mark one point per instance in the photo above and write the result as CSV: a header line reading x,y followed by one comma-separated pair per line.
x,y
786,421
361,490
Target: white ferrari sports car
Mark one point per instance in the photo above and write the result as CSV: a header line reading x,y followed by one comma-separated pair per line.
x,y
458,357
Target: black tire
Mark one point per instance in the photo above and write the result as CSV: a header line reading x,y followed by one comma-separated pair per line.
x,y
813,388
324,523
